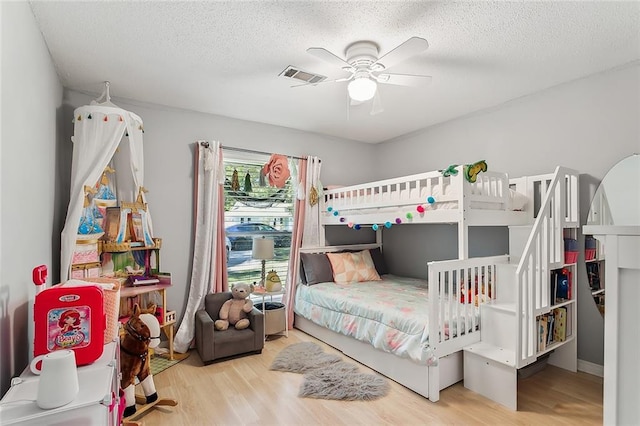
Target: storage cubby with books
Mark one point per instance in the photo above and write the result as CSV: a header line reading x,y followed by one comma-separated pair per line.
x,y
594,261
556,326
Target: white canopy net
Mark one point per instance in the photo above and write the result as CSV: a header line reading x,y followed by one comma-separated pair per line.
x,y
98,131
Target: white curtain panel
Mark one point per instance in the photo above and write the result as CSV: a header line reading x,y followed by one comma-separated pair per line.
x,y
210,175
94,143
311,235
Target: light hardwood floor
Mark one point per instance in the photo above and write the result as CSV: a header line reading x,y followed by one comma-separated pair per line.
x,y
244,391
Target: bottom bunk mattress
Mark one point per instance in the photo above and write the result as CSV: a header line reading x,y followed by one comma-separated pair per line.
x,y
391,314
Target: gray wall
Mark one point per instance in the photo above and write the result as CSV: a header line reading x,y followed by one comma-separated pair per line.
x,y
408,248
29,210
168,156
588,125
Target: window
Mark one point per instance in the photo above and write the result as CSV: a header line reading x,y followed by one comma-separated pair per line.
x,y
254,210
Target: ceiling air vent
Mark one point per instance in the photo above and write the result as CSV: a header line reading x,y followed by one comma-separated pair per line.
x,y
307,77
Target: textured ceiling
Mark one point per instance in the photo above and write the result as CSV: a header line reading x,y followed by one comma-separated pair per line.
x,y
224,57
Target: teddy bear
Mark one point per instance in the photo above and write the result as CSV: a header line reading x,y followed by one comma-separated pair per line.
x,y
234,311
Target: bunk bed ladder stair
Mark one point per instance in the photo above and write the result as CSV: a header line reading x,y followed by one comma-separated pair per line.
x,y
490,364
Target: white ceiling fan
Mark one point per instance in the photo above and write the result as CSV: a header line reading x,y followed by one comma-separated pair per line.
x,y
366,69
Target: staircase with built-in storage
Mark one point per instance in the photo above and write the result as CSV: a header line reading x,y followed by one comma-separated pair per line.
x,y
533,317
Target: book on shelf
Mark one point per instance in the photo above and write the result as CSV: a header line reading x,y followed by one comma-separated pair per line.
x,y
542,332
560,285
554,288
550,328
560,324
593,275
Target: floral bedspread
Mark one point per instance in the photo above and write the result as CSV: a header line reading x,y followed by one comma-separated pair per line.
x,y
391,314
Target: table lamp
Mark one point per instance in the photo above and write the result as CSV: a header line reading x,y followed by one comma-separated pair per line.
x,y
262,250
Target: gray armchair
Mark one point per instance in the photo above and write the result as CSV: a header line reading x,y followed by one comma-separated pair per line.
x,y
213,345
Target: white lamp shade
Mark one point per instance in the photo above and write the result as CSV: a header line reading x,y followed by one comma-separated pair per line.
x,y
262,248
362,89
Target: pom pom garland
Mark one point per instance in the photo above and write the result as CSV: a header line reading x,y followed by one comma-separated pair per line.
x,y
421,209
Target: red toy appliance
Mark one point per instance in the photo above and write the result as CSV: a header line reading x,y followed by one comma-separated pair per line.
x,y
69,316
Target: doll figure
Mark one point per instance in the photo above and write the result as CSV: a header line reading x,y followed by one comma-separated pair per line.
x,y
69,321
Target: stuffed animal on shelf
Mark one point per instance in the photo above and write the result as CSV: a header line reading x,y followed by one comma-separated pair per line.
x,y
234,311
134,358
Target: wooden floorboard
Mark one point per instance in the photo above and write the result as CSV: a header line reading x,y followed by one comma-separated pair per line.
x,y
244,391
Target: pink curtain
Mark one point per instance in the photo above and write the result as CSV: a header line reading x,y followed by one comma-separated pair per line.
x,y
296,243
220,277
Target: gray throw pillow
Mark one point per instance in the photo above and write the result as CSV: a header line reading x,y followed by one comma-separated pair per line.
x,y
378,261
316,267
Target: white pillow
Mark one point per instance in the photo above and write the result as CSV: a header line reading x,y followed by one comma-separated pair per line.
x,y
517,201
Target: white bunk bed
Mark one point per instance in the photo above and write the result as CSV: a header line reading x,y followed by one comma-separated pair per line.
x,y
492,200
487,202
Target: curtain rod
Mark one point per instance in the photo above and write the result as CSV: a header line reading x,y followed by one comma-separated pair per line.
x,y
250,151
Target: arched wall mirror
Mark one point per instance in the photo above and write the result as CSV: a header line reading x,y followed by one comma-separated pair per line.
x,y
616,202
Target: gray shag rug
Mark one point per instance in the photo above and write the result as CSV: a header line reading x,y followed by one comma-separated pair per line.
x,y
326,376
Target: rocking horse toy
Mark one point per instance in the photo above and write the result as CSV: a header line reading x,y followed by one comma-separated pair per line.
x,y
134,362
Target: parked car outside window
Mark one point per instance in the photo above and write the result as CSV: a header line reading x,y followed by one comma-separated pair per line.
x,y
241,235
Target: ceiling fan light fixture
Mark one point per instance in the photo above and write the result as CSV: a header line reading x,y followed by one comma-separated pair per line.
x,y
362,89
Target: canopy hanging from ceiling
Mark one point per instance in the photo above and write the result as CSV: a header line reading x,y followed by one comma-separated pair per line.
x,y
98,131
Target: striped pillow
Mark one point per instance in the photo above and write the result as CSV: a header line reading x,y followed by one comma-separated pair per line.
x,y
353,267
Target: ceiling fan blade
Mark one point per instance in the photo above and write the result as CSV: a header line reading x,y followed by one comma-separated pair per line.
x,y
327,56
339,80
376,104
403,79
409,48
